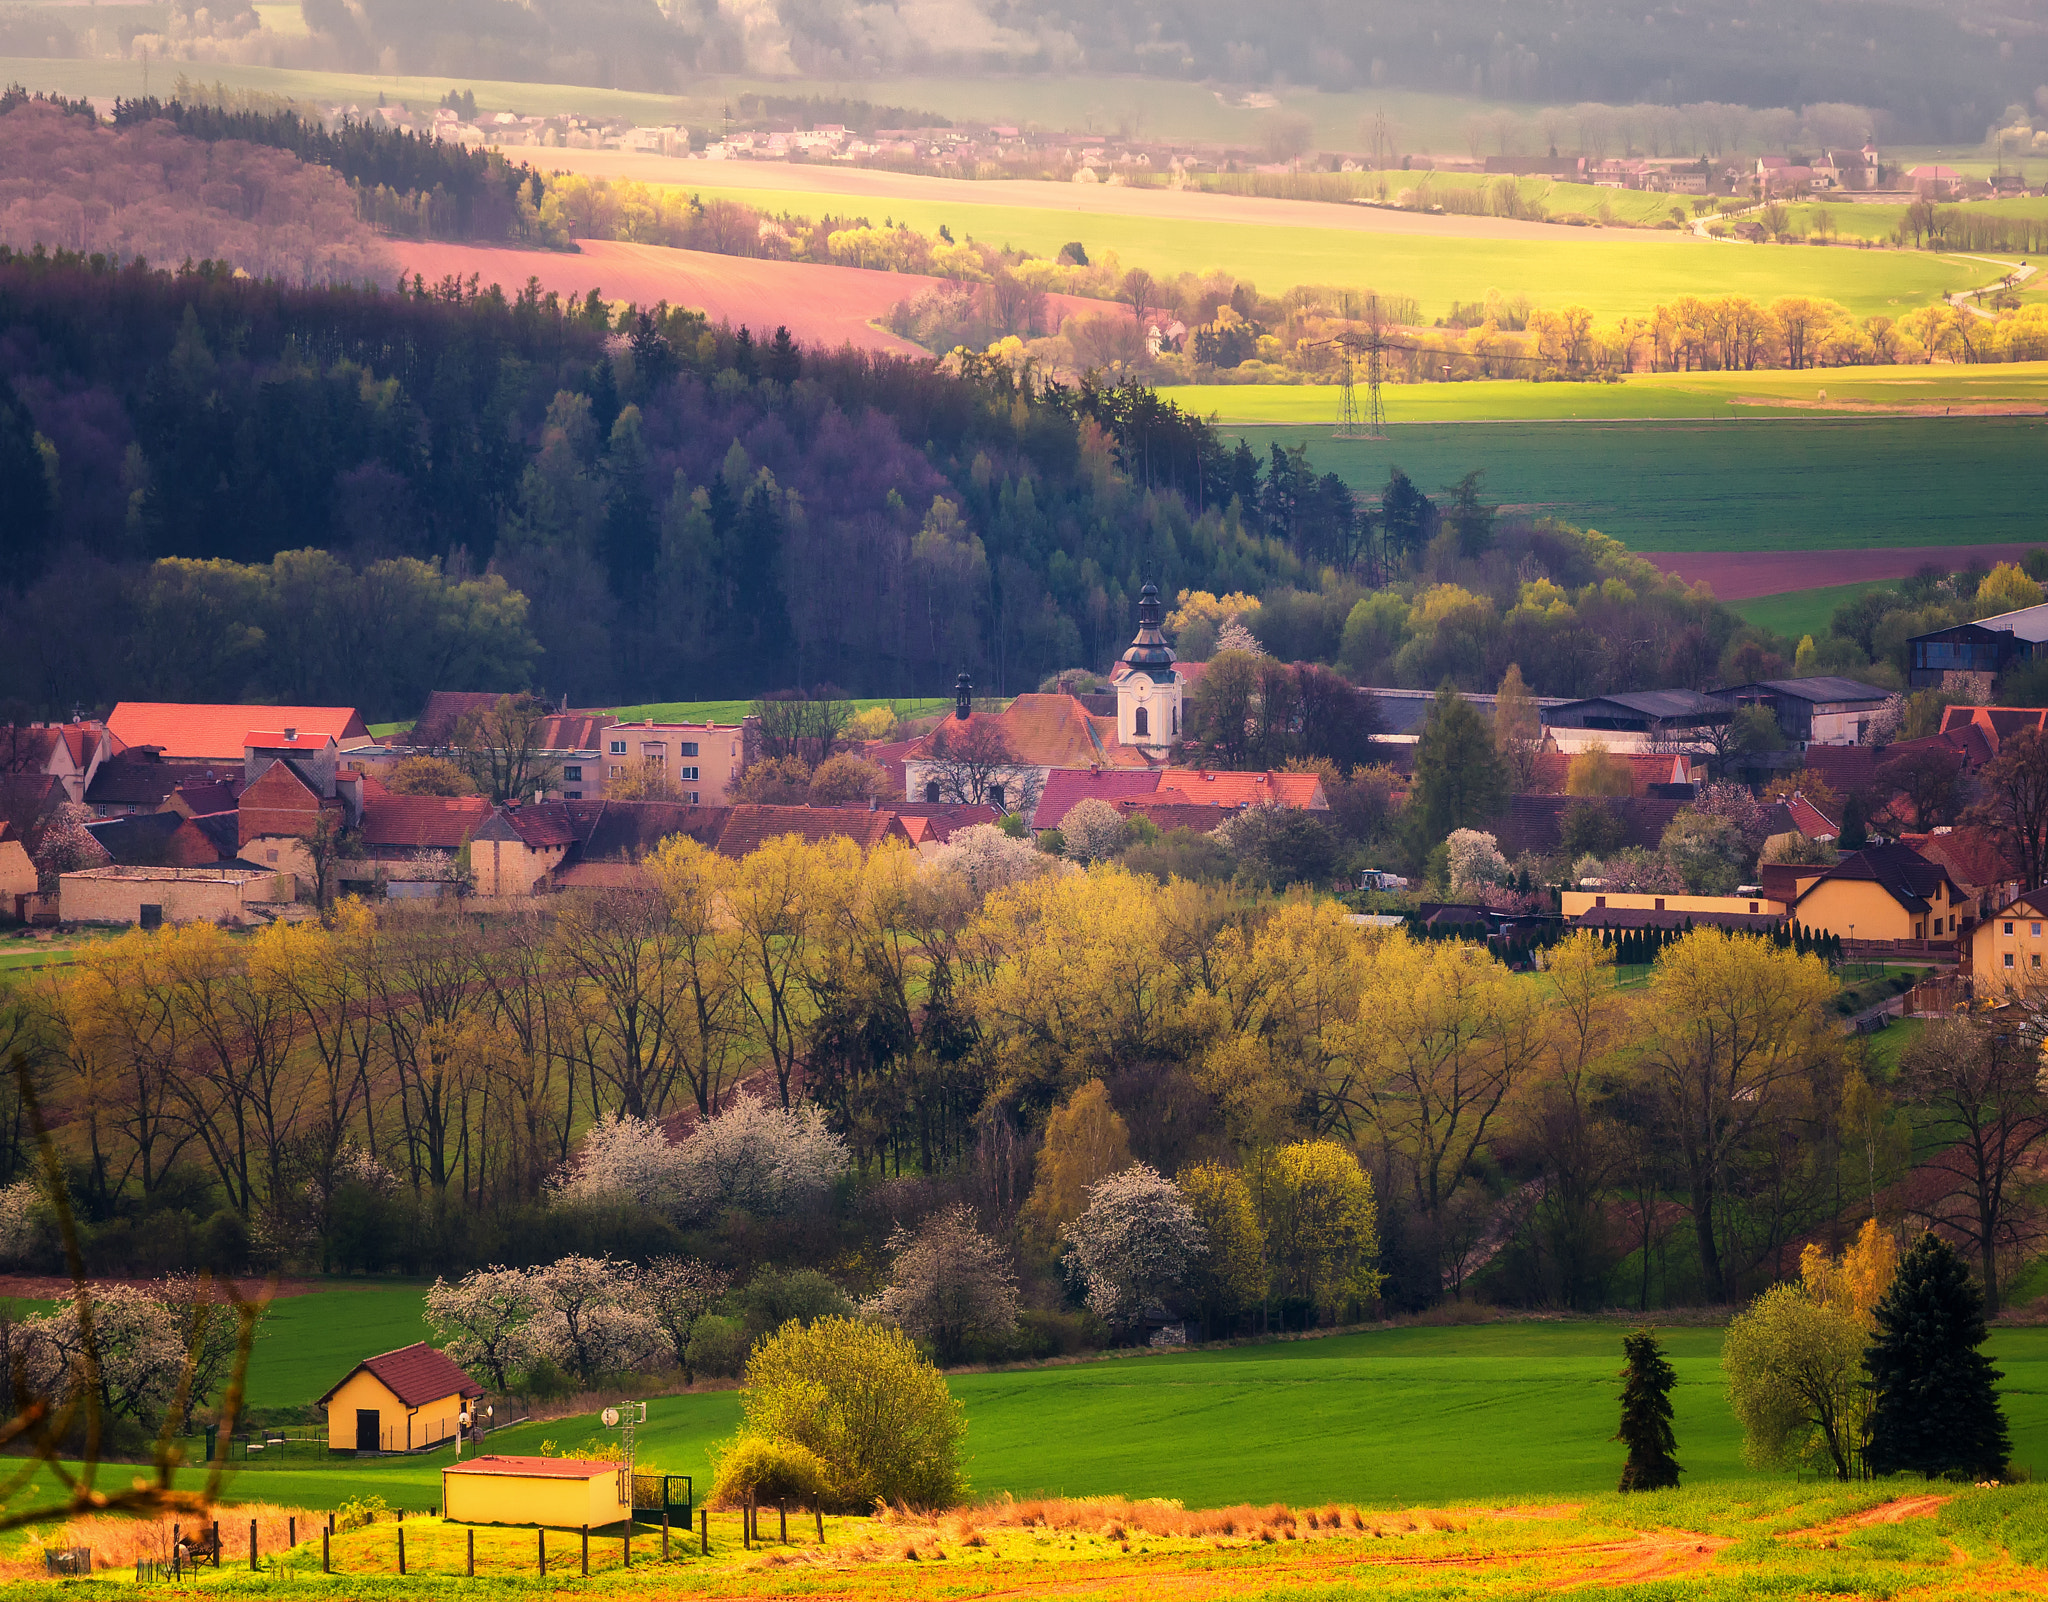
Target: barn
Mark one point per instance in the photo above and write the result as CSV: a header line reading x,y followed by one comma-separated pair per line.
x,y
400,1401
554,1492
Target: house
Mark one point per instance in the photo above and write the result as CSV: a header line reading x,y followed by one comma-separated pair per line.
x,y
70,753
168,839
1823,710
140,780
1934,181
152,896
1402,713
705,759
1204,787
563,1493
1978,861
1883,893
748,828
1038,735
398,1401
1634,719
281,811
1989,645
207,733
1166,816
930,827
2006,948
1989,727
1065,786
515,848
18,879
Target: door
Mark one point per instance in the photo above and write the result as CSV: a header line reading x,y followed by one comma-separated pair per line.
x,y
367,1421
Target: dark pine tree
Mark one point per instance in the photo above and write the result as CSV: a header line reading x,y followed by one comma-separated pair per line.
x,y
1645,1430
1935,1404
1855,833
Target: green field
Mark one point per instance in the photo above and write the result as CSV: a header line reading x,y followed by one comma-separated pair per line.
x,y
1798,612
1738,485
1847,390
1611,272
732,711
1389,1417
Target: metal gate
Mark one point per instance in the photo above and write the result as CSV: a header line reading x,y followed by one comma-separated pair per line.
x,y
656,1494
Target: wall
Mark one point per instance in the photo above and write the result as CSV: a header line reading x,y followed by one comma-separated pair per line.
x,y
2027,945
1579,901
285,852
720,758
1837,905
117,895
17,875
511,867
563,1504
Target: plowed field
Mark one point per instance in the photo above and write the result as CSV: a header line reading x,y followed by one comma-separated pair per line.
x,y
1744,575
821,306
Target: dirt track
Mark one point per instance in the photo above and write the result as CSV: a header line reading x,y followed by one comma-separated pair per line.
x,y
821,306
1745,575
1095,200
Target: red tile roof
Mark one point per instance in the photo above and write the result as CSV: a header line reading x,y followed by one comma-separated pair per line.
x,y
537,1468
1065,786
1809,819
279,740
420,822
137,780
938,821
1167,816
202,732
415,1374
1553,771
535,827
751,827
1044,731
1975,858
1997,723
1202,787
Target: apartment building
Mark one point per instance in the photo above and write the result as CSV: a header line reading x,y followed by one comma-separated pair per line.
x,y
704,759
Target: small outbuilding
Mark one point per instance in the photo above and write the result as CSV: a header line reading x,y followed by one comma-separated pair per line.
x,y
564,1493
402,1401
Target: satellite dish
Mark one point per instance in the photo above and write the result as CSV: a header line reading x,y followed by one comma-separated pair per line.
x,y
611,1418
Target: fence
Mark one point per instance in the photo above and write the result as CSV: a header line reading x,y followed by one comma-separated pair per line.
x,y
655,1496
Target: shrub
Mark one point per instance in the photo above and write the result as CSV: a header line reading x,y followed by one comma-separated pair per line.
x,y
758,1469
861,1397
1133,1244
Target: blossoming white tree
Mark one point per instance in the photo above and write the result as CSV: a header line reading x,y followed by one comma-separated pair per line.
x,y
987,860
481,1319
759,1158
949,1282
1093,830
1133,1244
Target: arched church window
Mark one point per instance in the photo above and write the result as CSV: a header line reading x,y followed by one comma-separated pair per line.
x,y
1141,722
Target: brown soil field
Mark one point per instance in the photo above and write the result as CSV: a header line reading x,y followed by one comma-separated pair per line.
x,y
1745,575
821,306
1187,205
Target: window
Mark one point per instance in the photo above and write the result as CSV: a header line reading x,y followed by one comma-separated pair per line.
x,y
2035,931
270,856
656,759
2008,926
618,771
931,796
693,798
686,773
574,795
1599,901
1660,903
2008,959
689,748
1752,906
618,748
2037,959
995,798
572,770
1141,723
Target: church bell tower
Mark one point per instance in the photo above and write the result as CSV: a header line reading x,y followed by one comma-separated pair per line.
x,y
1148,696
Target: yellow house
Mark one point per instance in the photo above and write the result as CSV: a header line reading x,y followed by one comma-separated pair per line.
x,y
1887,892
2009,949
1586,905
398,1401
563,1493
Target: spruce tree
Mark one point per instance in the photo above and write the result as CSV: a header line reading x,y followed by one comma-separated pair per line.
x,y
1934,1405
1646,1384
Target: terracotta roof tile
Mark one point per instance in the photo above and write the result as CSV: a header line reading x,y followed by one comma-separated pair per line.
x,y
1170,815
205,732
136,781
1203,786
1065,786
1046,731
751,827
542,1468
421,822
416,1374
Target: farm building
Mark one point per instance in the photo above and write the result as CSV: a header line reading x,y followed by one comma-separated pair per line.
x,y
400,1401
569,1493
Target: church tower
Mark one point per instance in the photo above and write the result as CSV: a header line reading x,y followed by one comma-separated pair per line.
x,y
1148,696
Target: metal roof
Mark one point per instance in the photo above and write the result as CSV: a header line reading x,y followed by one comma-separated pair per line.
x,y
1657,703
1821,687
2028,623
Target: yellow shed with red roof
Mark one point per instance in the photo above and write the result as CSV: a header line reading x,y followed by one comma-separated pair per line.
x,y
563,1493
398,1401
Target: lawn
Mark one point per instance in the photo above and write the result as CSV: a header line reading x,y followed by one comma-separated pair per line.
x,y
1798,612
1857,391
1382,1418
1738,485
1612,272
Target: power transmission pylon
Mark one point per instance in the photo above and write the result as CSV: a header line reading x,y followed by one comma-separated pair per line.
x,y
1373,425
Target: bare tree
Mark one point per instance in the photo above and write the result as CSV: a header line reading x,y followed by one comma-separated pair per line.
x,y
1980,1084
2013,787
677,1293
500,748
805,724
949,1282
973,765
1138,291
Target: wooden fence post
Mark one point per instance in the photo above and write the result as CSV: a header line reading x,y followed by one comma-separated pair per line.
x,y
782,1523
291,1530
819,1515
252,1546
704,1531
326,1556
541,1537
664,1526
216,1543
626,1547
586,1549
401,1548
472,1554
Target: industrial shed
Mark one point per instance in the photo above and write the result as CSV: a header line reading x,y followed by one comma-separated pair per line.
x,y
564,1493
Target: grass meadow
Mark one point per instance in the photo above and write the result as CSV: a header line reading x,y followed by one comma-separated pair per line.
x,y
1738,485
1393,1417
1798,612
1835,391
1611,272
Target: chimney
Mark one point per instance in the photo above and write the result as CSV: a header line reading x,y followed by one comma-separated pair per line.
x,y
291,734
